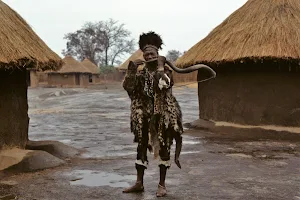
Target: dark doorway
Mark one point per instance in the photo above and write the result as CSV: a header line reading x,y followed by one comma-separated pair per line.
x,y
77,79
90,78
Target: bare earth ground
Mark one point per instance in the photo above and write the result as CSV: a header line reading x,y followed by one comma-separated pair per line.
x,y
231,165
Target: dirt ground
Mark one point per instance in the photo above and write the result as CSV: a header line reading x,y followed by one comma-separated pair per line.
x,y
234,164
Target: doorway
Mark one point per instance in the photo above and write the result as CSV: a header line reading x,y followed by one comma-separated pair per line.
x,y
77,79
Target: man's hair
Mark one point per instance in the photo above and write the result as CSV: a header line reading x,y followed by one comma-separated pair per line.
x,y
150,39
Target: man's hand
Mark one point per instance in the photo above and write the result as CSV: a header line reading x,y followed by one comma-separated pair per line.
x,y
132,66
138,62
161,60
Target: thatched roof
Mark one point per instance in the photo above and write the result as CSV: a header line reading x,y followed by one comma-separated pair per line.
x,y
71,66
137,55
260,29
90,66
20,46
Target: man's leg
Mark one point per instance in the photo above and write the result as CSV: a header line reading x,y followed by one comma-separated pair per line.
x,y
164,164
139,184
141,162
140,168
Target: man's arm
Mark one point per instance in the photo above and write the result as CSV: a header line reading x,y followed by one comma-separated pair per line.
x,y
129,82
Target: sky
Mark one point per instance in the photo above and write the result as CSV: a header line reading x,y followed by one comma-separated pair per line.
x,y
181,24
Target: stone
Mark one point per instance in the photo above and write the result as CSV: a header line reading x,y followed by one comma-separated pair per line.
x,y
201,124
11,157
8,197
8,183
55,148
20,160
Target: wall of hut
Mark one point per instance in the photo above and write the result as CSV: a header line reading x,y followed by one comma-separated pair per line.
x,y
94,78
181,78
84,80
42,77
13,108
68,80
252,94
34,82
108,78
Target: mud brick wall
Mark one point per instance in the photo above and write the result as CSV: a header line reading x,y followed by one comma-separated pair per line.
x,y
252,98
61,80
13,108
189,77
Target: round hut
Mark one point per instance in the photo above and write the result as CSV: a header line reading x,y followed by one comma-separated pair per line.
x,y
72,74
32,78
95,76
136,55
256,54
21,50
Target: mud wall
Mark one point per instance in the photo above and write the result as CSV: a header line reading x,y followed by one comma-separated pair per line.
x,y
84,80
252,98
180,78
34,82
68,80
94,78
108,78
42,77
61,80
13,109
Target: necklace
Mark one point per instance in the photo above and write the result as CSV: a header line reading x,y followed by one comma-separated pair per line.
x,y
148,88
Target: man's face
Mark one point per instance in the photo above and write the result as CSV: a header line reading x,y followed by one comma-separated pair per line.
x,y
150,53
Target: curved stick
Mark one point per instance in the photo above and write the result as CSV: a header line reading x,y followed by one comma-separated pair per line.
x,y
191,68
187,70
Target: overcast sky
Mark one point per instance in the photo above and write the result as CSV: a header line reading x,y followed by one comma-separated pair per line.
x,y
180,23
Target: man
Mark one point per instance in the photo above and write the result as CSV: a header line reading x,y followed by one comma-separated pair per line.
x,y
155,114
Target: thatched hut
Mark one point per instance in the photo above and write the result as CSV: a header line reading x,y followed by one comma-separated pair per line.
x,y
256,54
20,49
177,77
72,74
32,78
95,72
136,55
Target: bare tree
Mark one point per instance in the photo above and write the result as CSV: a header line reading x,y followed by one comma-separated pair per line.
x,y
102,42
173,55
84,43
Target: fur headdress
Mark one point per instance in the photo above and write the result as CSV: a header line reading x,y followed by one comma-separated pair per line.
x,y
150,39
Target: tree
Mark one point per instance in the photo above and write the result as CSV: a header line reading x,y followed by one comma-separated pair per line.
x,y
103,42
173,55
107,69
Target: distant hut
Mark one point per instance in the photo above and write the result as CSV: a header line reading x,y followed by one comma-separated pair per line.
x,y
95,75
32,78
136,55
72,74
21,49
256,54
139,55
